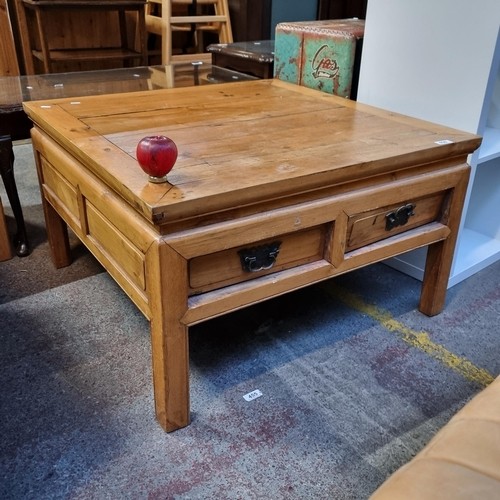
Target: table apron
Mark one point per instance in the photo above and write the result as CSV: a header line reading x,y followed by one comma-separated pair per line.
x,y
232,264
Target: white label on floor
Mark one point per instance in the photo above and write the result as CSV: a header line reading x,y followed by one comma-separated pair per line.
x,y
252,395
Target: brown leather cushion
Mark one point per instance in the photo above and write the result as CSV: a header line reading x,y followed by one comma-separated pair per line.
x,y
461,462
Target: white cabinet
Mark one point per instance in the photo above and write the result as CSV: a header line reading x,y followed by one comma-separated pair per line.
x,y
440,61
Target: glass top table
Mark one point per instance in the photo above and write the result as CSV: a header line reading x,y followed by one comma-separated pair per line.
x,y
16,89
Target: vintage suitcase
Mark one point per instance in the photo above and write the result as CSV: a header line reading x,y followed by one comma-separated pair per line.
x,y
323,55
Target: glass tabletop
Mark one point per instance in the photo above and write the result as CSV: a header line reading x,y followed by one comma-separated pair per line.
x,y
16,89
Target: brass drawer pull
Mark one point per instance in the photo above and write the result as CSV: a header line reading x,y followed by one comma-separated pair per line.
x,y
399,217
259,258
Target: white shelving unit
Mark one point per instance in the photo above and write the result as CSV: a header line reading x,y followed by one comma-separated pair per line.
x,y
440,61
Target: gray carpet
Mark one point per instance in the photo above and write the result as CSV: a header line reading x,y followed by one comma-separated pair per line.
x,y
351,386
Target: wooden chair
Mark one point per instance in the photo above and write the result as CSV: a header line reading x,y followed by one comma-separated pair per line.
x,y
164,17
50,39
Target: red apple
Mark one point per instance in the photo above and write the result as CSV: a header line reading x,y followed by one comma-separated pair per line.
x,y
156,155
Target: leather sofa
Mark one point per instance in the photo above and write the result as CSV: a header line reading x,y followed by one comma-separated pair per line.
x,y
462,461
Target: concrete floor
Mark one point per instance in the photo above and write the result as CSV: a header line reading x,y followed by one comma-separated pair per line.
x,y
354,382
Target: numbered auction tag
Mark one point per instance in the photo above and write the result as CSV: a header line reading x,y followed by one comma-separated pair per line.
x,y
442,142
252,395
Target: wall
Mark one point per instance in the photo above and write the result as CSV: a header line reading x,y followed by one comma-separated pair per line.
x,y
455,40
437,60
286,10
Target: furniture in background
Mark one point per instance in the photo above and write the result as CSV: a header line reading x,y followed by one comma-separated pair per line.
x,y
411,65
58,32
8,58
163,20
7,172
253,20
322,55
9,68
276,186
341,9
250,19
460,462
255,58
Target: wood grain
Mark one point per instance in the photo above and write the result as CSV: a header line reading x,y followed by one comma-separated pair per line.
x,y
8,58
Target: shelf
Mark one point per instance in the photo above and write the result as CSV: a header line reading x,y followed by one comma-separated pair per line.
x,y
475,251
89,54
490,147
71,31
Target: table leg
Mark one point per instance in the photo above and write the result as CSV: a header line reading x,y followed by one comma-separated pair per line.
x,y
435,283
440,255
167,290
7,172
57,235
57,229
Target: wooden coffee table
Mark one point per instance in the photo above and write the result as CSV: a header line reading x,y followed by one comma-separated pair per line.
x,y
276,187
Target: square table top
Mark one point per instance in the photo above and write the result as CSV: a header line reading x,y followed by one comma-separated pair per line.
x,y
239,144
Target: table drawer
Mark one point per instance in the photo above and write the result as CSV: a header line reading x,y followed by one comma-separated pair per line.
x,y
247,262
377,224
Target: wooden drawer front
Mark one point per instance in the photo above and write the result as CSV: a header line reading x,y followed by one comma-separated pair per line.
x,y
370,226
59,188
223,268
122,254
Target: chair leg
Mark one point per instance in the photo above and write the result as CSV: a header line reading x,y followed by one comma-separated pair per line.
x,y
7,172
47,62
5,250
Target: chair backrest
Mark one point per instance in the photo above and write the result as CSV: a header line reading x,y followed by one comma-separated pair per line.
x,y
8,58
